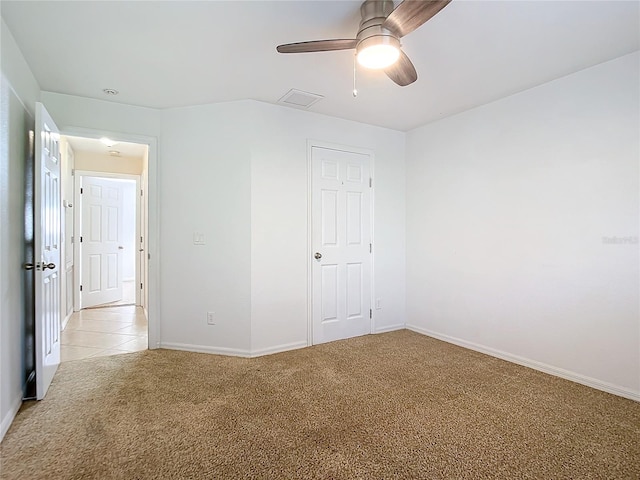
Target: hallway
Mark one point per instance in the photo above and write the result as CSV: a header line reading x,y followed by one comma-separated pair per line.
x,y
104,331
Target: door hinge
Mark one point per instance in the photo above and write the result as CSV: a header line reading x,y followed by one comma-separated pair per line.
x,y
81,190
71,238
370,182
140,285
370,313
73,172
80,239
140,239
370,248
80,287
141,193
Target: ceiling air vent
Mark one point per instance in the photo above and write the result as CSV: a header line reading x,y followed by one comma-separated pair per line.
x,y
299,99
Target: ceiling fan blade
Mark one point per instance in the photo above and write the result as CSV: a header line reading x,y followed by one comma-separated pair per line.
x,y
410,14
402,72
318,46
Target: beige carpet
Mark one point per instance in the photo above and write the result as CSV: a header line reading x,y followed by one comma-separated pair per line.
x,y
391,406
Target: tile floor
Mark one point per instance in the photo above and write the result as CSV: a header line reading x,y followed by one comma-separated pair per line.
x,y
104,331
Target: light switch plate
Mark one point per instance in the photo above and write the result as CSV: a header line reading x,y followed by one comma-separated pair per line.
x,y
198,238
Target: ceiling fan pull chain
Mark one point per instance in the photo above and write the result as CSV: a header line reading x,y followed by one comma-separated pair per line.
x,y
355,90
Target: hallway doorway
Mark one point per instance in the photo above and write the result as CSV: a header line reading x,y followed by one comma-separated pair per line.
x,y
105,229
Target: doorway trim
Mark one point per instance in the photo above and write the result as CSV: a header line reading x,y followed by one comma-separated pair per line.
x,y
150,186
77,247
343,148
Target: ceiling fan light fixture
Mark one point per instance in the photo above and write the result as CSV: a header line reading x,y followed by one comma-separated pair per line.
x,y
378,52
377,42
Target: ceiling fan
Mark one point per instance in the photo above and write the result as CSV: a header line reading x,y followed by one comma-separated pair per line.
x,y
377,42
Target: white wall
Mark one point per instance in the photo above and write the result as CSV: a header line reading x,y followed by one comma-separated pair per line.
x,y
18,93
206,188
507,208
237,173
16,70
279,194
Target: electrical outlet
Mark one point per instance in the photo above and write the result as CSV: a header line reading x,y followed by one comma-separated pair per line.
x,y
378,303
211,318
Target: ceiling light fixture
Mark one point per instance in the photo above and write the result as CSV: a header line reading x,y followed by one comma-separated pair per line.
x,y
377,52
108,142
111,91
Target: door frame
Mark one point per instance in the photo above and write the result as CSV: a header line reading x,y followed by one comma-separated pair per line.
x,y
349,149
149,184
77,216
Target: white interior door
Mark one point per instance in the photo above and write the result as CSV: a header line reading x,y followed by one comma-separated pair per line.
x,y
341,241
47,238
101,247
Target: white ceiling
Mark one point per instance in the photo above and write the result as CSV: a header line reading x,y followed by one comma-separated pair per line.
x,y
164,54
91,145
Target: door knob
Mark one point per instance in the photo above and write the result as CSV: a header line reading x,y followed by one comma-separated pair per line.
x,y
48,265
28,266
318,256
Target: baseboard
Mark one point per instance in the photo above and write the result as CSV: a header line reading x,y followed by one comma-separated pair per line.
x,y
66,320
187,347
390,328
235,352
8,418
542,367
278,349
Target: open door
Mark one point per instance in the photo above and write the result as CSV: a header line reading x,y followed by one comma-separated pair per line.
x,y
101,243
47,239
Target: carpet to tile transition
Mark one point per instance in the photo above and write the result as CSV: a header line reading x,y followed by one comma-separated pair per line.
x,y
393,406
